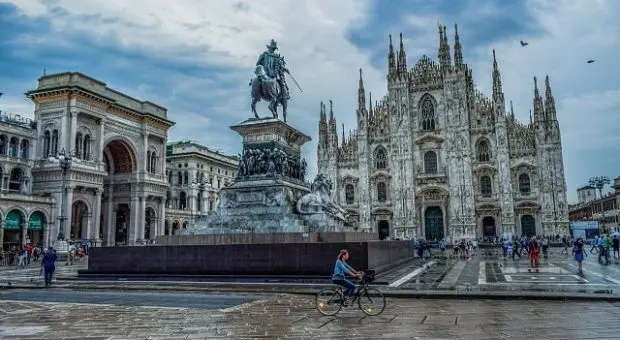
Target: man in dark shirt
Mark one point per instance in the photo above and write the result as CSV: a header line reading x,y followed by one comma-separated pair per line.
x,y
48,264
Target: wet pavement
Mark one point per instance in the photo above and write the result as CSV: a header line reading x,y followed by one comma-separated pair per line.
x,y
294,317
161,299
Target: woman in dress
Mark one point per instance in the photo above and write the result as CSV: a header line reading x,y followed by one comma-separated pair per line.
x,y
579,252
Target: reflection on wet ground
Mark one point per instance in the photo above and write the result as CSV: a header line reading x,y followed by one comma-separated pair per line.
x,y
295,317
490,271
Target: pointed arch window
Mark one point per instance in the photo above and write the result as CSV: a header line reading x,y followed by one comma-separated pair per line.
x,y
380,158
381,192
3,144
47,140
54,144
430,162
524,184
483,151
486,187
428,115
14,147
25,148
349,193
78,145
86,148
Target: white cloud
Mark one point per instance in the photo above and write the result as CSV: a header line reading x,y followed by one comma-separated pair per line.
x,y
311,35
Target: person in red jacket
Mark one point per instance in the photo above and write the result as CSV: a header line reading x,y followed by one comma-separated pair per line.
x,y
533,250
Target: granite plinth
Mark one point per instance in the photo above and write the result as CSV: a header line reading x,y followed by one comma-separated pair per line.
x,y
246,259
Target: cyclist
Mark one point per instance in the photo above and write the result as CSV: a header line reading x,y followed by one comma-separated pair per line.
x,y
341,269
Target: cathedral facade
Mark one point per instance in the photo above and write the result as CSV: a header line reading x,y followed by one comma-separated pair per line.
x,y
436,158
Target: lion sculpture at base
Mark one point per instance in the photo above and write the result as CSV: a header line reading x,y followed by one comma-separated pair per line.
x,y
319,199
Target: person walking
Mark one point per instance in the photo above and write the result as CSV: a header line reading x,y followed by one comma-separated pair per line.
x,y
48,264
615,243
533,250
579,252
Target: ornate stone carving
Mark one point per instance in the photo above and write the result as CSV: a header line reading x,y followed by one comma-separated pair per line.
x,y
320,200
272,162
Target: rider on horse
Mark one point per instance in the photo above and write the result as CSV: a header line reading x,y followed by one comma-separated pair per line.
x,y
275,67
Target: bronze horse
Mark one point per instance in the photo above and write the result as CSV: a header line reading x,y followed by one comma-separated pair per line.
x,y
269,90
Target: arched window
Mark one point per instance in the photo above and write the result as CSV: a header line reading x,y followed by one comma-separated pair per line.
x,y
152,166
79,145
380,158
180,178
15,180
47,139
486,188
428,115
86,148
430,162
14,147
148,160
381,192
168,198
524,184
54,144
170,177
484,153
349,193
3,144
185,177
183,200
25,148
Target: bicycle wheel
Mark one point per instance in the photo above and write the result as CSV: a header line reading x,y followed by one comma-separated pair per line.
x,y
371,301
329,301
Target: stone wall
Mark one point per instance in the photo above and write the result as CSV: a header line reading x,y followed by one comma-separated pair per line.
x,y
245,238
244,259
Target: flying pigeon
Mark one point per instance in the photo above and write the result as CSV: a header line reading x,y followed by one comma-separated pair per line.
x,y
591,61
523,43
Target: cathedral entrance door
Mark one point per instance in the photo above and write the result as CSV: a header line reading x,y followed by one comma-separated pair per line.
x,y
528,225
433,224
384,229
488,226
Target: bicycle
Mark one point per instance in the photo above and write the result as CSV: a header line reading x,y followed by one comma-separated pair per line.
x,y
334,297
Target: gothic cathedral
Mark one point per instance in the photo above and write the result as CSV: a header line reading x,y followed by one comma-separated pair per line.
x,y
436,158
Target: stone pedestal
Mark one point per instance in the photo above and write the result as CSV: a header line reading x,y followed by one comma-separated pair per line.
x,y
270,180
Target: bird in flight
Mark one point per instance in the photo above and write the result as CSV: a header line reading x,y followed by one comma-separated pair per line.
x,y
523,43
591,61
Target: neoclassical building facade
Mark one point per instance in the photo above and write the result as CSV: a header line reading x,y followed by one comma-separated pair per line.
x,y
196,174
114,190
437,158
24,217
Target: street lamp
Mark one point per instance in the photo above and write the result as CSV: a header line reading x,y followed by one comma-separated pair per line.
x,y
599,183
64,160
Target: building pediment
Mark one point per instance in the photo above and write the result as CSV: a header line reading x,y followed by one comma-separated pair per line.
x,y
381,211
381,175
528,204
484,168
429,137
348,179
433,193
523,164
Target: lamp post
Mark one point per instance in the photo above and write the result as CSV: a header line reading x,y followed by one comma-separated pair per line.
x,y
64,160
599,183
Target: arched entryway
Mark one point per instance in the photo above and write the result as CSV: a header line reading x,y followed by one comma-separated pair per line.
x,y
384,229
488,226
433,224
528,225
36,224
79,221
176,225
122,221
13,229
185,224
120,160
149,223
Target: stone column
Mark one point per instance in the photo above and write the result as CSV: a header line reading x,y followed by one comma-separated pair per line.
x,y
97,216
101,140
162,217
109,230
87,232
145,149
69,213
24,234
2,235
72,131
142,219
132,223
46,235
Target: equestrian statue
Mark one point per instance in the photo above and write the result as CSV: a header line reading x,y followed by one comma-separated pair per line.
x,y
269,83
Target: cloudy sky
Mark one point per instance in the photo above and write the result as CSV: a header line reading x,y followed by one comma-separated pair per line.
x,y
195,57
